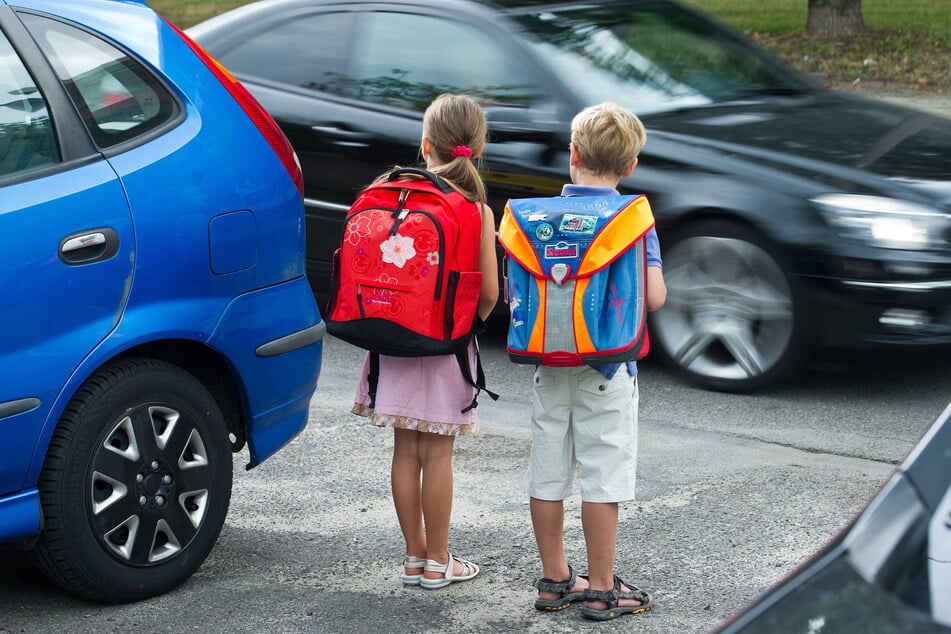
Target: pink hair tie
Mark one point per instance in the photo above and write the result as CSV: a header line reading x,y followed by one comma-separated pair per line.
x,y
461,150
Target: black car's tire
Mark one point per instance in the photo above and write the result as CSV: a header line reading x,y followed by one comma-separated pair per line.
x,y
136,483
733,320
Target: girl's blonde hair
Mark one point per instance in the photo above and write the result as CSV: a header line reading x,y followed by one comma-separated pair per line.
x,y
452,122
457,129
608,138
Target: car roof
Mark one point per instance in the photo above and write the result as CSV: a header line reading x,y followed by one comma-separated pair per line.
x,y
250,12
247,11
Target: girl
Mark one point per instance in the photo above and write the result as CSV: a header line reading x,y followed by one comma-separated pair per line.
x,y
422,398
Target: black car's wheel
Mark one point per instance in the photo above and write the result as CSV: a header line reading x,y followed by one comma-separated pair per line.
x,y
732,320
136,483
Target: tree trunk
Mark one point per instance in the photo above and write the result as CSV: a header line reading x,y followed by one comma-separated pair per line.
x,y
835,17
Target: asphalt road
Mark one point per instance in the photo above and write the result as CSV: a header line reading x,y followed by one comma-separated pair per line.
x,y
734,491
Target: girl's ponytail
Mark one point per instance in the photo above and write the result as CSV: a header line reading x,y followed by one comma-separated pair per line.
x,y
457,129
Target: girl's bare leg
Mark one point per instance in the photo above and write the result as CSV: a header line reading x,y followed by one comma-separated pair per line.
x,y
435,457
405,473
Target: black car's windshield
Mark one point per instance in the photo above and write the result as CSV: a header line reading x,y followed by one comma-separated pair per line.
x,y
651,57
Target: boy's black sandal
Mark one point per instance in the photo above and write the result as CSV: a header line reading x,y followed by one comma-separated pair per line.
x,y
611,597
561,587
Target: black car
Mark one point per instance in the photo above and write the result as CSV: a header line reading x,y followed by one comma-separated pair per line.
x,y
889,571
790,216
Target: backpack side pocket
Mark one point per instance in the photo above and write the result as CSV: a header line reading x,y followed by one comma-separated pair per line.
x,y
462,302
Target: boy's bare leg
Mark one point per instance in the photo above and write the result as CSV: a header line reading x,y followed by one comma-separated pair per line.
x,y
405,483
599,521
548,523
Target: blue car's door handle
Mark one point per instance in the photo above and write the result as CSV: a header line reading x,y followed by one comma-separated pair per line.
x,y
89,246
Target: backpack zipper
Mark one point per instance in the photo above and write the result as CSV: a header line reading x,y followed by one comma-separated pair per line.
x,y
399,213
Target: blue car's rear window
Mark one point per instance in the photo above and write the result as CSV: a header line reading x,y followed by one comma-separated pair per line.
x,y
117,97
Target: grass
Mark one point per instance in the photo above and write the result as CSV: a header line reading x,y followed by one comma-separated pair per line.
x,y
186,13
908,43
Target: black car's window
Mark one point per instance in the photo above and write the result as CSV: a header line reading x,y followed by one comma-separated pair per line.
x,y
27,141
651,58
306,51
406,60
116,96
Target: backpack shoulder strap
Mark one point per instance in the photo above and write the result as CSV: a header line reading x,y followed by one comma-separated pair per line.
x,y
478,382
469,240
373,377
439,182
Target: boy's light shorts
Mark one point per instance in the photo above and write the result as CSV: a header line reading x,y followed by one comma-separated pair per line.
x,y
583,422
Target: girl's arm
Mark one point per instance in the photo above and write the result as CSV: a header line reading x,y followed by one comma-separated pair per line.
x,y
488,264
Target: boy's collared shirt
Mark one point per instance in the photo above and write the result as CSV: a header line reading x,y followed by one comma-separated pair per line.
x,y
653,259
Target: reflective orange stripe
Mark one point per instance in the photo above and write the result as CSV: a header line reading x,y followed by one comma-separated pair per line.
x,y
536,342
623,230
516,244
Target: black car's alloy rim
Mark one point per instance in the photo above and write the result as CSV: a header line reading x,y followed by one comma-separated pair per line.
x,y
729,311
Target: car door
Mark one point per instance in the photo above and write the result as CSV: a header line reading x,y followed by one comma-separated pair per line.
x,y
463,53
68,256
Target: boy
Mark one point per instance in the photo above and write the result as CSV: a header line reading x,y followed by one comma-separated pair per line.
x,y
586,417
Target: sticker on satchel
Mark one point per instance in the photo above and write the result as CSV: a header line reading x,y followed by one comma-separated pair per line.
x,y
561,250
574,223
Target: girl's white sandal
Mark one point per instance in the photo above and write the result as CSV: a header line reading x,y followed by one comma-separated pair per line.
x,y
412,563
469,571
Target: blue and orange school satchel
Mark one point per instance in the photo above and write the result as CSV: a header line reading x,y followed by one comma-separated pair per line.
x,y
575,278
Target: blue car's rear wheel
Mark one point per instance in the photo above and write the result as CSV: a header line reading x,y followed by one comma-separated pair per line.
x,y
136,483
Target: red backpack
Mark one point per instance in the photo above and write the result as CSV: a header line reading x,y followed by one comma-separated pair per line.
x,y
406,279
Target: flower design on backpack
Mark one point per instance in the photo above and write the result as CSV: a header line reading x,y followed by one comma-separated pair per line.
x,y
398,250
358,231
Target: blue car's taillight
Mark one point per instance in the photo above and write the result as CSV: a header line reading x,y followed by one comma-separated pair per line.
x,y
264,122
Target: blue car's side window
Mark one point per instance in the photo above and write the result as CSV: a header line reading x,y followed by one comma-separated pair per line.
x,y
117,98
27,141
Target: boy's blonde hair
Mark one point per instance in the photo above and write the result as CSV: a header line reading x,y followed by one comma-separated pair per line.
x,y
608,138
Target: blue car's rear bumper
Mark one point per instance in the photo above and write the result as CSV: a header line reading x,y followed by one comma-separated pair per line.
x,y
278,369
19,515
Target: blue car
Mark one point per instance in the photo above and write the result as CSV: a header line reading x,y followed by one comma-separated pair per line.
x,y
154,308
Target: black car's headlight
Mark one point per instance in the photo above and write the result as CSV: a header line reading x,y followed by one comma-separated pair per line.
x,y
886,222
